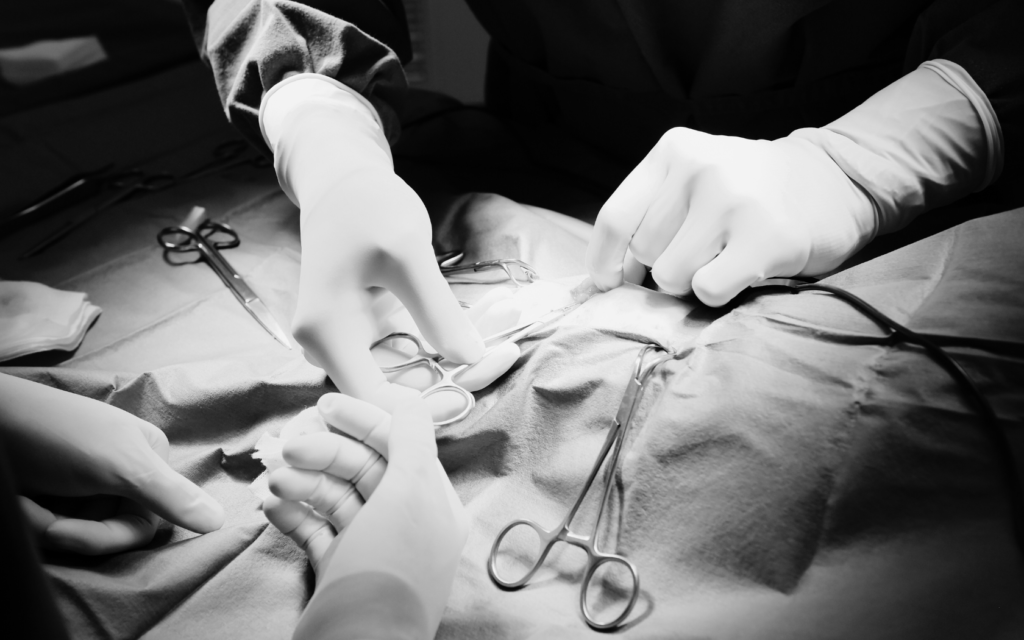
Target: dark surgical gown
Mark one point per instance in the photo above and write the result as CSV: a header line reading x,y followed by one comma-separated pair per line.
x,y
614,75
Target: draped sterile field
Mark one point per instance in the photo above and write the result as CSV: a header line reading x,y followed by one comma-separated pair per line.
x,y
785,477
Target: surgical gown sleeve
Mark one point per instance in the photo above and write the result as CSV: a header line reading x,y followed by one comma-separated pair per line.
x,y
984,37
252,44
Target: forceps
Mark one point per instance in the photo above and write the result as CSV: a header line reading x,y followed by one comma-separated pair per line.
x,y
449,263
202,240
124,185
562,533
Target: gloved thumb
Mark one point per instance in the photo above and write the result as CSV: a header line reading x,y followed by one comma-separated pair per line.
x,y
167,493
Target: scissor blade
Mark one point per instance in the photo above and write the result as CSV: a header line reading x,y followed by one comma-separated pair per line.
x,y
263,316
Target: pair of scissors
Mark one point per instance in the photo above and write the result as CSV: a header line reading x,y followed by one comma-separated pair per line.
x,y
446,378
206,239
124,185
445,383
596,558
450,263
228,156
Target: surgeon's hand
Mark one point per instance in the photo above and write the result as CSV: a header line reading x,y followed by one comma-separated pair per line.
x,y
715,214
412,525
364,231
103,471
372,230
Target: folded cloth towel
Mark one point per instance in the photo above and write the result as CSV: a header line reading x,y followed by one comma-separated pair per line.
x,y
35,317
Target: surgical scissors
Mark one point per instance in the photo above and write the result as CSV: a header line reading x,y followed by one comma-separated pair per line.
x,y
446,378
124,185
562,533
202,240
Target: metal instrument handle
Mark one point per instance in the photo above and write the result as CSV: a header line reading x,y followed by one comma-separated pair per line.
x,y
547,539
596,562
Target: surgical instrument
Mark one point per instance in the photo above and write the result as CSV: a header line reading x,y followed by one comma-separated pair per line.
x,y
190,237
124,185
563,533
444,379
78,187
449,263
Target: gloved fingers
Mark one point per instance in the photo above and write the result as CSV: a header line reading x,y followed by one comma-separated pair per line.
x,y
339,456
633,271
411,443
700,238
38,518
388,312
333,498
732,271
619,219
305,422
494,314
360,420
489,299
418,283
308,529
499,316
491,367
151,482
661,223
155,436
337,335
757,251
133,526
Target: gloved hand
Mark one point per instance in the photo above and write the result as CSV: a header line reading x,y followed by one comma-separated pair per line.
x,y
715,214
412,526
363,230
111,463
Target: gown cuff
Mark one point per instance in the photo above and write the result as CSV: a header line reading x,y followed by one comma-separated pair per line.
x,y
316,125
924,141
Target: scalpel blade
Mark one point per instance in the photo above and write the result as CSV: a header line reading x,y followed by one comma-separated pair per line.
x,y
262,314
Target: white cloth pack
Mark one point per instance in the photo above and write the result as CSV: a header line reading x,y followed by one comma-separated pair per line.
x,y
35,318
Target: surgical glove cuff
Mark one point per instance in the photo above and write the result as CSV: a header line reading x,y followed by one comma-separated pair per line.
x,y
320,131
370,604
926,140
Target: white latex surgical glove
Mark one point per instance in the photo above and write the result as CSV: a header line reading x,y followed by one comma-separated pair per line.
x,y
715,214
363,230
412,526
102,472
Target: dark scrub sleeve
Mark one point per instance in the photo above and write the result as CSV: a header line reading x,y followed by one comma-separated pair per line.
x,y
364,606
28,601
251,44
984,37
